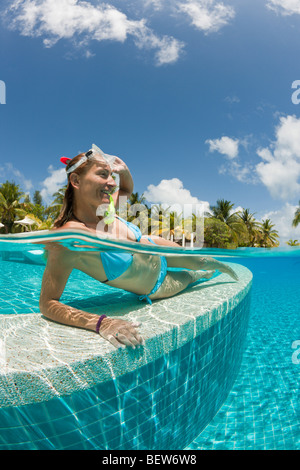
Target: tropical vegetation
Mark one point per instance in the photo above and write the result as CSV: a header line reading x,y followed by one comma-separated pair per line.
x,y
296,220
291,242
223,226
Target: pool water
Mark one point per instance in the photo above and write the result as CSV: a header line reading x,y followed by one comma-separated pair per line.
x,y
262,410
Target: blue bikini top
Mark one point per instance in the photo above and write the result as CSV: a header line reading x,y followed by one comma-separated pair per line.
x,y
115,264
134,228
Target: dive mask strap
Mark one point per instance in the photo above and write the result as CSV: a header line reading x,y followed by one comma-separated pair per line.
x,y
82,160
89,154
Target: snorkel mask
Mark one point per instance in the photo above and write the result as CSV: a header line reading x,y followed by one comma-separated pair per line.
x,y
94,151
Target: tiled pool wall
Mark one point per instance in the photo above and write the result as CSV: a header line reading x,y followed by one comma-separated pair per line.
x,y
163,404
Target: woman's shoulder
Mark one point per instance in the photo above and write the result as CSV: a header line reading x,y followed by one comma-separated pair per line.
x,y
73,224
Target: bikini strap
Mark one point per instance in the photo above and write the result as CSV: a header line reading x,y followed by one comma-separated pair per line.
x,y
142,297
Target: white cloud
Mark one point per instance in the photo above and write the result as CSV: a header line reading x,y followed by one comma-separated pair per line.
x,y
9,172
52,183
168,48
226,145
232,99
243,172
172,193
83,22
155,4
282,219
279,169
207,15
285,7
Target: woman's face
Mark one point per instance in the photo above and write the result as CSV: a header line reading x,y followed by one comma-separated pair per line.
x,y
94,185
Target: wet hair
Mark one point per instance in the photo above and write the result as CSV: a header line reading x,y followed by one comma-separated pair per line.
x,y
66,212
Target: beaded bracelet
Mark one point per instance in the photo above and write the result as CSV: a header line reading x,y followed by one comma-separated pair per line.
x,y
99,323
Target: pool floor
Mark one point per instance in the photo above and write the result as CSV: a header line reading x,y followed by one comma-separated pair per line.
x,y
262,411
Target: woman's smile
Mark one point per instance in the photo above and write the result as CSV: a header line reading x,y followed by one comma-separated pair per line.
x,y
105,193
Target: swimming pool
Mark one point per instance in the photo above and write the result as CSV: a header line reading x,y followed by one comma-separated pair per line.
x,y
260,412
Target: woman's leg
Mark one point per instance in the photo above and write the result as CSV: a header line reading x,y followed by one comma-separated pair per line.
x,y
199,262
177,281
194,262
157,241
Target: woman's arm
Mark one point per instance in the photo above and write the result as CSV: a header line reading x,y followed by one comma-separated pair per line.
x,y
56,274
119,332
126,181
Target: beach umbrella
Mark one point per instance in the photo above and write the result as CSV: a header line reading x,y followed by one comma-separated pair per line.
x,y
1,225
26,221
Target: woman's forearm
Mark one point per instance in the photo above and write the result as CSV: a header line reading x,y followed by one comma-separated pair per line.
x,y
126,182
58,312
120,333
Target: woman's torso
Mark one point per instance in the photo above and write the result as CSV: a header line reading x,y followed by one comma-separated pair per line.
x,y
138,278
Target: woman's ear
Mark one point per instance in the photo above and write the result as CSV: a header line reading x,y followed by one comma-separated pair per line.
x,y
74,180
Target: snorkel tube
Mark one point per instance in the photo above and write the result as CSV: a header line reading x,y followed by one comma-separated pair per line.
x,y
109,214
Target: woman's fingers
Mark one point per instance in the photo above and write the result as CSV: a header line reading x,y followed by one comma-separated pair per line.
x,y
121,333
130,337
136,324
113,340
128,340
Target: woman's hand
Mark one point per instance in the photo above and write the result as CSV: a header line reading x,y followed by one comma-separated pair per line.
x,y
119,166
120,333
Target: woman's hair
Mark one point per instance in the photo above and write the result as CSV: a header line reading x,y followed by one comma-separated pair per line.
x,y
66,212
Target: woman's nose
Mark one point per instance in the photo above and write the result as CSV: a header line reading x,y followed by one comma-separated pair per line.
x,y
111,181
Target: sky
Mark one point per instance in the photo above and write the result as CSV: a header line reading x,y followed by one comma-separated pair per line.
x,y
200,98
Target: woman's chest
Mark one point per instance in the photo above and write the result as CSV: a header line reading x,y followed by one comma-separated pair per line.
x,y
117,229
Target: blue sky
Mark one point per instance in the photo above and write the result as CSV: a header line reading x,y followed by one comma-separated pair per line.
x,y
195,96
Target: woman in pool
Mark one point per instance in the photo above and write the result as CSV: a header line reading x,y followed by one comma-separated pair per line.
x,y
90,185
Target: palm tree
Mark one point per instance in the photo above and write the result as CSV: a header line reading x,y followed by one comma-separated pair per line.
x,y
136,199
223,211
269,236
158,219
54,209
137,209
168,224
253,227
293,242
11,206
296,220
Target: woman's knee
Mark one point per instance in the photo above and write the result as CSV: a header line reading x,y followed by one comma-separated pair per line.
x,y
174,283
